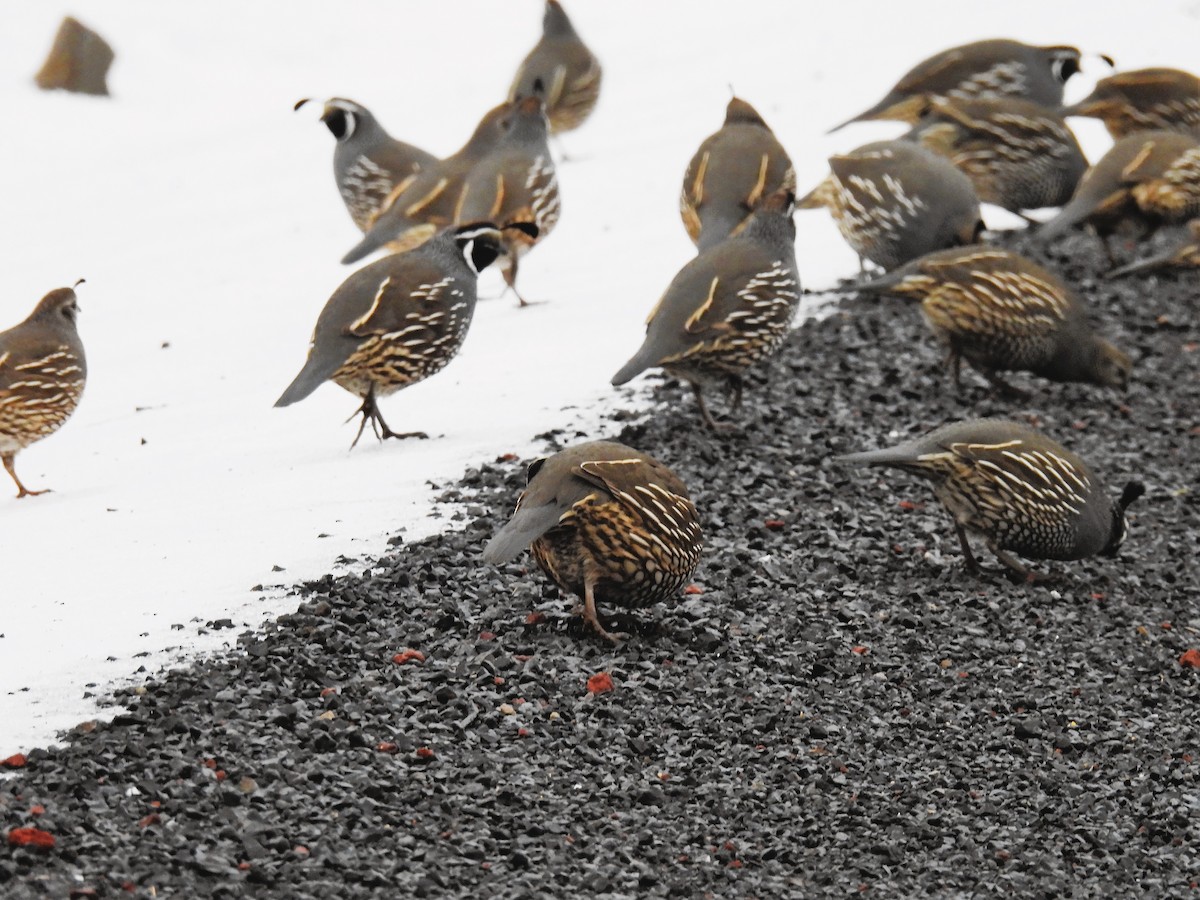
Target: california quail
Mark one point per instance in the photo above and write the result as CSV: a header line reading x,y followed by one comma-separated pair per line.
x,y
1003,312
397,321
1185,253
512,181
995,68
734,169
1014,487
728,308
42,374
430,201
1150,177
515,182
1144,100
894,201
561,70
1018,155
369,165
606,523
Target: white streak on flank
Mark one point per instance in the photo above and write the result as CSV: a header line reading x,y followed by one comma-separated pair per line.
x,y
362,320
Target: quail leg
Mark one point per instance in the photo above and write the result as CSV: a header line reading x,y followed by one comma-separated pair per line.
x,y
370,413
968,556
1002,387
1011,562
510,278
954,362
589,612
706,415
22,490
736,385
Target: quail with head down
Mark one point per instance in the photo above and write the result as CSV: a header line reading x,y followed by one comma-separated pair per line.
x,y
728,308
1018,155
1147,179
431,200
606,523
42,374
992,68
894,201
369,165
734,170
561,70
1023,493
1184,253
397,321
1002,312
1144,100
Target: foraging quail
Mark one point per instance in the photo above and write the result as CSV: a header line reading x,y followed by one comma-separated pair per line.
x,y
430,201
512,182
1150,177
369,165
561,70
42,374
734,169
728,308
1144,100
515,183
894,201
1185,253
397,321
994,68
1003,312
607,523
1018,155
1016,488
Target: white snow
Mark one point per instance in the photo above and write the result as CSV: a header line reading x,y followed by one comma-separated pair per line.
x,y
203,214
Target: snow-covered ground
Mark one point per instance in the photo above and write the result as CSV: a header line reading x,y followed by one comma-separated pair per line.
x,y
203,214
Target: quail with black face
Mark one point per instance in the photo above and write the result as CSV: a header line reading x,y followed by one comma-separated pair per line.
x,y
606,523
1020,491
42,375
369,165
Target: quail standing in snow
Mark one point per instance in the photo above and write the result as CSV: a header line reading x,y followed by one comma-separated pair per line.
x,y
993,68
513,181
1144,100
1018,155
1149,178
607,523
732,172
561,70
397,321
516,183
42,374
369,165
894,201
431,200
1183,254
1023,493
728,308
1003,312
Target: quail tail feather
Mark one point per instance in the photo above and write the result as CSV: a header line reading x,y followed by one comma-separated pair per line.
x,y
526,526
311,377
641,361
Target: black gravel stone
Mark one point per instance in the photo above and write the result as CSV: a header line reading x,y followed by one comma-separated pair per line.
x,y
842,709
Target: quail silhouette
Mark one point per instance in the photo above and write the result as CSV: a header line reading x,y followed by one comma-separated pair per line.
x,y
1148,178
992,68
1018,155
397,321
1144,100
1003,312
894,201
431,200
516,182
606,523
369,166
732,172
1184,253
1020,491
42,374
727,309
561,70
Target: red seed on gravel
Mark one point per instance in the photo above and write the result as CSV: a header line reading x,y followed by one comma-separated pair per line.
x,y
693,589
407,656
16,761
31,837
774,524
1190,659
386,747
424,753
600,683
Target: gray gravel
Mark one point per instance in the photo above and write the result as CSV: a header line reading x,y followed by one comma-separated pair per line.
x,y
840,709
